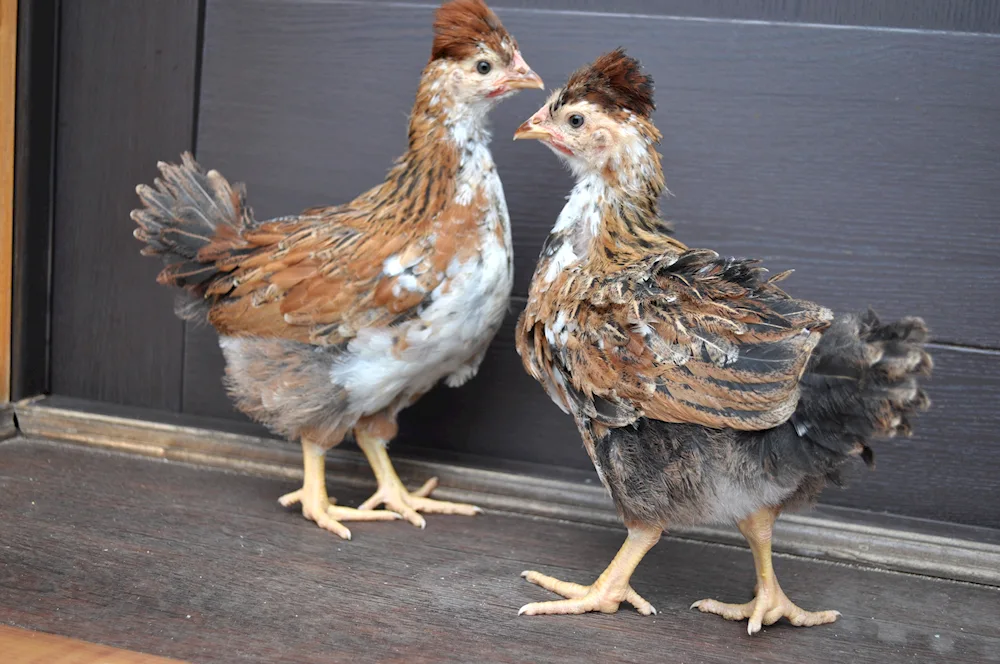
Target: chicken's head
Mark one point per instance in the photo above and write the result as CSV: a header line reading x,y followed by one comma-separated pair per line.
x,y
475,56
600,121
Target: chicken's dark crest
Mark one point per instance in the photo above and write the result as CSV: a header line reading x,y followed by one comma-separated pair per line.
x,y
461,26
614,81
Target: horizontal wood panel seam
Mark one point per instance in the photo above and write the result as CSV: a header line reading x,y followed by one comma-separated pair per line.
x,y
502,9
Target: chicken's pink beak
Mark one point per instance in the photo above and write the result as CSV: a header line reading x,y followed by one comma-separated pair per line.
x,y
522,77
533,128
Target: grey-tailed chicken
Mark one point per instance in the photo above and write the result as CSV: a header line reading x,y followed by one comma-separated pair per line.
x,y
702,391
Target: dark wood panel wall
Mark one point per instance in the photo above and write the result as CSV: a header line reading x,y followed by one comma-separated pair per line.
x,y
126,99
864,157
34,148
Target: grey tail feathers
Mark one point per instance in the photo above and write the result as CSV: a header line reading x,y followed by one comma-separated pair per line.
x,y
863,384
191,219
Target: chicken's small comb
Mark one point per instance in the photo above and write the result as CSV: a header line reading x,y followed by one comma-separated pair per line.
x,y
615,80
460,26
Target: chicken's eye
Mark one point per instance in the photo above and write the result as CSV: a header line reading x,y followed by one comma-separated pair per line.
x,y
484,67
576,121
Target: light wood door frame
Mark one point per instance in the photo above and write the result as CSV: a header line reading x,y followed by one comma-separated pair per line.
x,y
8,79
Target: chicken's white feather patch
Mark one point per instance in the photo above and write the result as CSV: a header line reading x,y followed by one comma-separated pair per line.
x,y
449,337
563,258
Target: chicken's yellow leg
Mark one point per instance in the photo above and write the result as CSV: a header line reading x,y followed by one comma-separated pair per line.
x,y
611,588
316,505
372,436
770,603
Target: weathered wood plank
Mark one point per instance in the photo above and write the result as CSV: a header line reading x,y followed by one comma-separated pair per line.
x,y
126,100
204,565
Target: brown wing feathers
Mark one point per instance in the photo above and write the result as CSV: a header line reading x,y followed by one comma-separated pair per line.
x,y
318,277
696,339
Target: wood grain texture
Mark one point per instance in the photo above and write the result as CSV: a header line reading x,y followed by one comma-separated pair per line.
x,y
204,565
865,159
503,414
126,100
21,646
8,78
958,15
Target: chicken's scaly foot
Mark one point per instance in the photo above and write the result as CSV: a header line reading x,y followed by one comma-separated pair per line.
x,y
768,607
316,505
581,599
770,603
611,588
394,495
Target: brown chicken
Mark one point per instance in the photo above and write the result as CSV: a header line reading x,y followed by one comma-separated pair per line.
x,y
702,391
335,319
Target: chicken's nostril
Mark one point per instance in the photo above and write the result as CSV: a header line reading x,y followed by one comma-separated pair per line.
x,y
522,70
536,121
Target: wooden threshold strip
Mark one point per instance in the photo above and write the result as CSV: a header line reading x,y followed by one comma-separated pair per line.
x,y
22,646
949,551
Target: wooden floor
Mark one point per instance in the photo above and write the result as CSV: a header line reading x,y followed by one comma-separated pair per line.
x,y
203,565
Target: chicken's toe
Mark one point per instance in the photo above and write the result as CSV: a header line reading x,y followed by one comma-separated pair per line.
x,y
727,611
427,489
565,588
290,499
